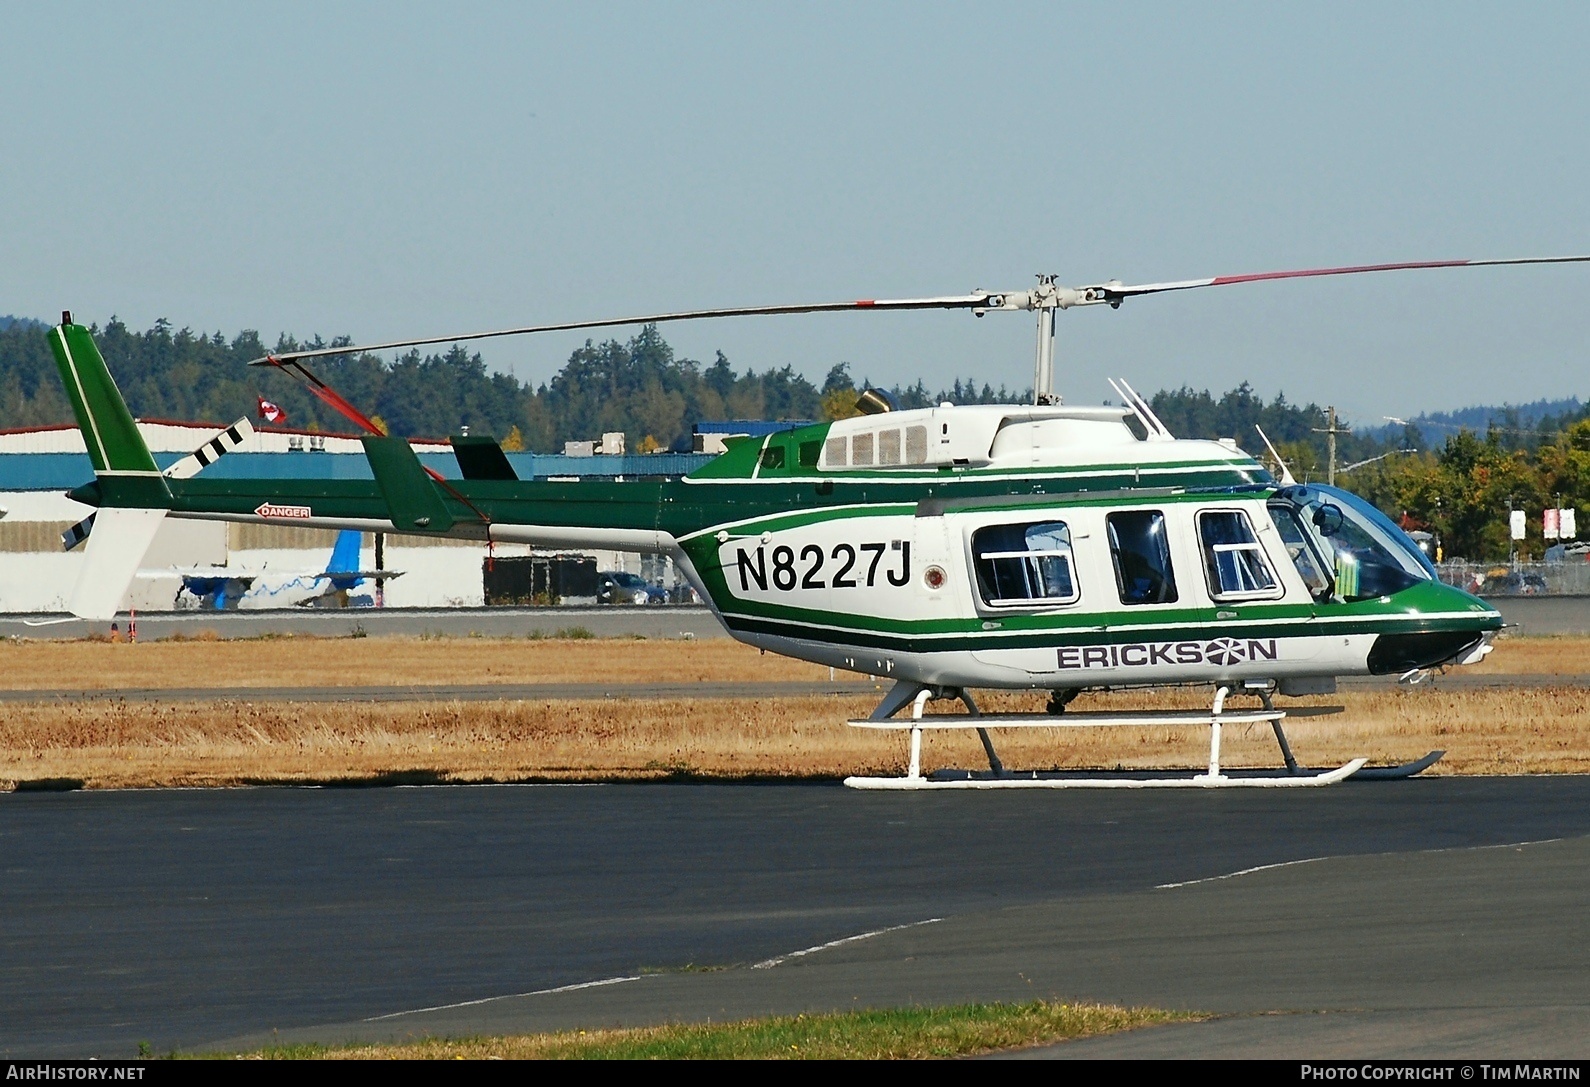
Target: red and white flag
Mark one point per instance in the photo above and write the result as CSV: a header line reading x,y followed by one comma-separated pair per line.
x,y
270,412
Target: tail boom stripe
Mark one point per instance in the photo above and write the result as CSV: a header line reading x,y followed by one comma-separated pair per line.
x,y
101,462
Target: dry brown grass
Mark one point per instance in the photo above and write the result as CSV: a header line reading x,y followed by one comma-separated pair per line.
x,y
382,662
111,744
108,744
1562,654
385,662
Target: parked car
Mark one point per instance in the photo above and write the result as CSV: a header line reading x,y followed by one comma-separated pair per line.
x,y
620,587
1526,583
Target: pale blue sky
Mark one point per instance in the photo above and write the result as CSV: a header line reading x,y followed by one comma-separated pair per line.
x,y
386,170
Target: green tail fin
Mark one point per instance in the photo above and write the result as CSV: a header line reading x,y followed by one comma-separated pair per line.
x,y
126,470
415,503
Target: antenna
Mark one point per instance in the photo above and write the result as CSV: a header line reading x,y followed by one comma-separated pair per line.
x,y
1132,405
1156,429
1286,473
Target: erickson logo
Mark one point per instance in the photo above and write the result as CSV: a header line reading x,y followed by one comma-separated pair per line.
x,y
1220,652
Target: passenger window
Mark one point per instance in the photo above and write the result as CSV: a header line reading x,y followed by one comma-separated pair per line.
x,y
773,457
1025,564
888,447
836,453
1234,561
1295,539
861,450
1141,552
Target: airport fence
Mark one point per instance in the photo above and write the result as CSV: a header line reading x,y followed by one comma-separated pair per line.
x,y
1569,578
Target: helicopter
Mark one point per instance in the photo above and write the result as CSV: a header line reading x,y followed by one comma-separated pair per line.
x,y
1043,546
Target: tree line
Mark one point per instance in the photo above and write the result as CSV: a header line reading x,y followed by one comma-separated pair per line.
x,y
639,386
1457,487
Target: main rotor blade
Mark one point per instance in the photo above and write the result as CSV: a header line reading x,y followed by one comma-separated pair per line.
x,y
964,301
1046,296
1114,292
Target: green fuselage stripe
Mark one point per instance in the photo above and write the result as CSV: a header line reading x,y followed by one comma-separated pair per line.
x,y
869,638
676,507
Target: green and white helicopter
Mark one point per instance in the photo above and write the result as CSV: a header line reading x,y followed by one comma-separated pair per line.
x,y
1040,546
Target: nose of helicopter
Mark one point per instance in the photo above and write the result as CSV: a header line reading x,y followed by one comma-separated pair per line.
x,y
1452,626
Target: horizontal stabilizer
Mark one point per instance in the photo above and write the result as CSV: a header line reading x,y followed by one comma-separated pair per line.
x,y
356,575
121,538
480,457
217,446
415,503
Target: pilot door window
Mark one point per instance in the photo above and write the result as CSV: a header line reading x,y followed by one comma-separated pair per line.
x,y
1234,561
1027,564
1140,549
1310,566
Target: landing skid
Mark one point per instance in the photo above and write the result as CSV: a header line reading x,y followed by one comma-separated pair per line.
x,y
997,777
1397,773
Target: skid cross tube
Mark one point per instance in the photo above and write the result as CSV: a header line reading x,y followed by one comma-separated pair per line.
x,y
918,696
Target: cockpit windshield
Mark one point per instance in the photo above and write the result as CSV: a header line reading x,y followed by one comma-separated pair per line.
x,y
1370,556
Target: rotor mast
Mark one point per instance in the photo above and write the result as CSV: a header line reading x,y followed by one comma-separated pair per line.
x,y
1043,369
1046,300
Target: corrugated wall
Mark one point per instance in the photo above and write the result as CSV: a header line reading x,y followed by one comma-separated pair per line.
x,y
250,537
34,536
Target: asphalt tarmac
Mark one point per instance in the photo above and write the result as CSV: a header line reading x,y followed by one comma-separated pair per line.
x,y
1397,918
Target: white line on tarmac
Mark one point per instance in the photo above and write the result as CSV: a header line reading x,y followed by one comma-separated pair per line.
x,y
512,996
768,964
1311,860
1234,875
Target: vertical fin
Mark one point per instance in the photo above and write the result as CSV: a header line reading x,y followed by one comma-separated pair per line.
x,y
345,554
116,549
122,463
132,496
114,444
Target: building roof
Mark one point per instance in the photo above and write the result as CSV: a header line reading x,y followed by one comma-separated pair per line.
x,y
756,428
